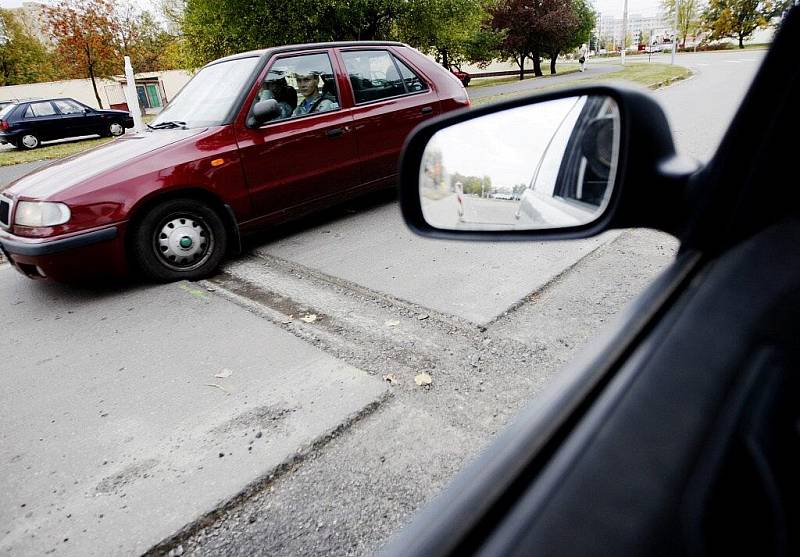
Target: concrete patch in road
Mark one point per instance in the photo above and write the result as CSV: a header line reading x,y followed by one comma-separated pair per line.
x,y
128,414
476,281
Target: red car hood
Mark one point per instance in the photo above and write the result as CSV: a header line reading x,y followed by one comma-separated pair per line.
x,y
65,173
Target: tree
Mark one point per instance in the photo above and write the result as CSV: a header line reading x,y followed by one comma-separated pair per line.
x,y
86,33
213,29
688,17
570,26
23,59
150,47
515,20
451,30
532,27
738,19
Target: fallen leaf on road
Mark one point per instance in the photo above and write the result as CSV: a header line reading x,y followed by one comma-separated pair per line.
x,y
423,316
310,318
224,373
218,386
390,378
392,323
423,380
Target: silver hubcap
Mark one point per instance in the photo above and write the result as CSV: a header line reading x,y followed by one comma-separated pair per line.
x,y
30,141
184,243
116,129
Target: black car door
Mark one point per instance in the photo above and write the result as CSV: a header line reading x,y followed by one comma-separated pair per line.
x,y
678,433
78,119
42,120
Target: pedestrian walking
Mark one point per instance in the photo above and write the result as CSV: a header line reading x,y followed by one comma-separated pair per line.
x,y
584,52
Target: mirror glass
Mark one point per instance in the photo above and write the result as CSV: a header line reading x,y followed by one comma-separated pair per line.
x,y
547,165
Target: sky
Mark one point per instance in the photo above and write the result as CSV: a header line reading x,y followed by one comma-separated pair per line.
x,y
506,146
605,7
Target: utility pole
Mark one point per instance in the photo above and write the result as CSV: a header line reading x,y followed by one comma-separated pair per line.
x,y
624,29
675,34
131,97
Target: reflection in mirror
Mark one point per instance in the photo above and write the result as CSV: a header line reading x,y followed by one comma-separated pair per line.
x,y
547,165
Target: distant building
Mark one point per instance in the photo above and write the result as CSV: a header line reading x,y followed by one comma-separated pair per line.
x,y
609,28
154,90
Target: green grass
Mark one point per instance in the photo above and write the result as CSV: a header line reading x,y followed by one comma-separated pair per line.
x,y
650,75
56,151
492,81
47,152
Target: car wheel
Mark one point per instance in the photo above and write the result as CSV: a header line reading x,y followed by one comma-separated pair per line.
x,y
179,239
116,129
28,141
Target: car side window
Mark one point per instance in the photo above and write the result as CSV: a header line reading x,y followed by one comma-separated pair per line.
x,y
301,85
68,107
373,75
412,81
40,109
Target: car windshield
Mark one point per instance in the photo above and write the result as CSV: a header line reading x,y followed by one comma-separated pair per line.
x,y
208,98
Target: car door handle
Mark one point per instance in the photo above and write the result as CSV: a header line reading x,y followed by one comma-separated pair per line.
x,y
427,110
335,132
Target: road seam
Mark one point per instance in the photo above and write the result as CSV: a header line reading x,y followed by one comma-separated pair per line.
x,y
269,477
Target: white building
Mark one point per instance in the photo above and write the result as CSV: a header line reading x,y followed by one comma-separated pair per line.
x,y
154,89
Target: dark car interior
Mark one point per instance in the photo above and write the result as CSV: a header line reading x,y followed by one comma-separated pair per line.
x,y
678,432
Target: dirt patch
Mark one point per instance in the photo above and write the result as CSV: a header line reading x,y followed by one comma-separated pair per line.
x,y
117,482
263,418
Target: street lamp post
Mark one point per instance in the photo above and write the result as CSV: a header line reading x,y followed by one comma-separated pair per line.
x,y
675,35
624,29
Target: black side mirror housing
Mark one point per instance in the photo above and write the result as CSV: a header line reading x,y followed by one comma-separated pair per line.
x,y
650,183
264,111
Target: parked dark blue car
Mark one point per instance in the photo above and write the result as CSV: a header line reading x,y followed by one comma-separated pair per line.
x,y
26,124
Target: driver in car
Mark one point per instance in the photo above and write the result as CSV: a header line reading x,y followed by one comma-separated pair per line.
x,y
313,99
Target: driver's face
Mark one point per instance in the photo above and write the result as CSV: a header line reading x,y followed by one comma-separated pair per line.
x,y
307,84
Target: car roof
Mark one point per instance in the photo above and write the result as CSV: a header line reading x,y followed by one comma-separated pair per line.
x,y
40,100
299,47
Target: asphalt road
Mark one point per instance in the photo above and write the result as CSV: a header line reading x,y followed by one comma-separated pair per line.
x,y
116,410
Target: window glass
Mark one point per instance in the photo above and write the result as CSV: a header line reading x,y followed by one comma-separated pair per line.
x,y
373,75
39,109
412,80
6,110
301,85
68,107
209,97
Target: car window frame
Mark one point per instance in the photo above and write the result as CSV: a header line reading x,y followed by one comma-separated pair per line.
x,y
83,107
35,116
394,57
265,71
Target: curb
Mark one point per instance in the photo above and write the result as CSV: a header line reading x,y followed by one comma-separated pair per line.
x,y
670,81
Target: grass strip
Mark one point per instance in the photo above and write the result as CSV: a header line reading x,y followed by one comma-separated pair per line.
x,y
650,75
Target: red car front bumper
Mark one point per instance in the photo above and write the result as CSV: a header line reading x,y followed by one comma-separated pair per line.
x,y
93,253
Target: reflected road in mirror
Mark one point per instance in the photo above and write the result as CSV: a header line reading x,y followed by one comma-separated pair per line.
x,y
543,166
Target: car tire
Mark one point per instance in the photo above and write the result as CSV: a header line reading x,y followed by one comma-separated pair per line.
x,y
179,239
27,142
114,129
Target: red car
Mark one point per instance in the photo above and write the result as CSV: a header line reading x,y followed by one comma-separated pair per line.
x,y
252,140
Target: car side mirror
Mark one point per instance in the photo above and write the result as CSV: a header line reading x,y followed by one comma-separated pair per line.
x,y
87,110
264,111
563,165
